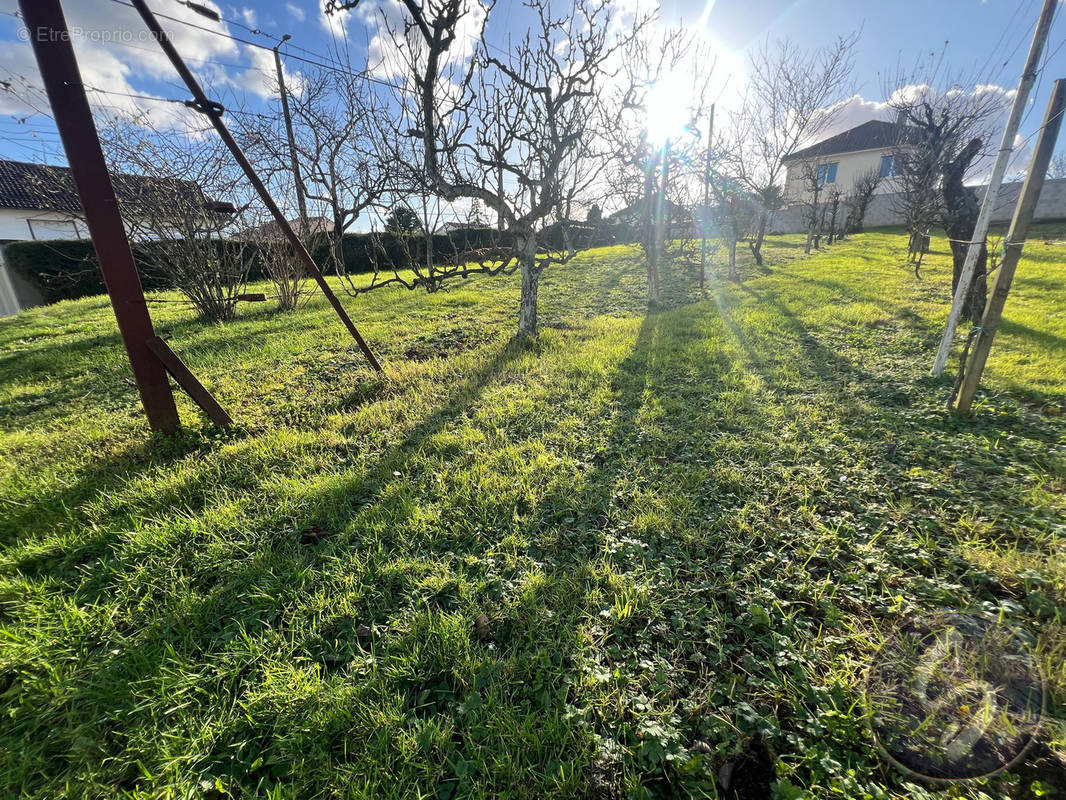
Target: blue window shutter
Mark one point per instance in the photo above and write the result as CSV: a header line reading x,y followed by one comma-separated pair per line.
x,y
887,167
832,172
823,171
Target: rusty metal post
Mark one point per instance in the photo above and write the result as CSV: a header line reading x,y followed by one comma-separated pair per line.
x,y
52,47
214,111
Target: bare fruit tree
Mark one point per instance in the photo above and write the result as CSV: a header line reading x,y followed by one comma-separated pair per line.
x,y
813,182
531,113
188,212
654,173
791,98
345,171
862,193
947,131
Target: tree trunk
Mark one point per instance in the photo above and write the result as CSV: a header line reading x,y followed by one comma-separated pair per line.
x,y
653,277
733,275
651,235
760,235
961,209
527,308
338,252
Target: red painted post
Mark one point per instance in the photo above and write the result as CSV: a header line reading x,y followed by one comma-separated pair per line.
x,y
52,47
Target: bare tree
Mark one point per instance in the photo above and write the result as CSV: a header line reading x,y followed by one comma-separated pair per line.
x,y
652,176
344,168
813,180
791,99
185,212
834,198
734,210
530,115
279,260
946,131
862,193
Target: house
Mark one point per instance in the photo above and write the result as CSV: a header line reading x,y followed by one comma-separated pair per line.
x,y
837,162
271,229
38,201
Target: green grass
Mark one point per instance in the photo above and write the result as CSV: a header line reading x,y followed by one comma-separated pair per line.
x,y
687,531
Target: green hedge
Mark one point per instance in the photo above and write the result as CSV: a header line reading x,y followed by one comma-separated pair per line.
x,y
64,269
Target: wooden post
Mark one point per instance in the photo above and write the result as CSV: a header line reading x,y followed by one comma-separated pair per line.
x,y
1019,230
1021,96
706,221
51,42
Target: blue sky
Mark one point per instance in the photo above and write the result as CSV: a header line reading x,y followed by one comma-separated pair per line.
x,y
989,37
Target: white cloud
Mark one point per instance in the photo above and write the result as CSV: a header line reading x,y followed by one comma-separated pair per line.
x,y
116,53
295,12
336,24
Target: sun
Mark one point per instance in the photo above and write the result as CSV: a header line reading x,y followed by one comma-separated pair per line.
x,y
668,106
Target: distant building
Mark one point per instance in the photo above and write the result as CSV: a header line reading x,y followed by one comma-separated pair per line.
x,y
840,160
38,201
271,230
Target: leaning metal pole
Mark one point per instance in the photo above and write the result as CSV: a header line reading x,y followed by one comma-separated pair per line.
x,y
52,47
1043,25
214,112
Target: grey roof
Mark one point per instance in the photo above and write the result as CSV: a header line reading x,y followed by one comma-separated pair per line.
x,y
872,135
40,187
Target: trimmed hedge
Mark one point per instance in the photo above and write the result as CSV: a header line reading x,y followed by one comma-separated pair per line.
x,y
66,269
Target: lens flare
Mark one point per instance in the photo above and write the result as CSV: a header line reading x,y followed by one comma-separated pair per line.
x,y
668,106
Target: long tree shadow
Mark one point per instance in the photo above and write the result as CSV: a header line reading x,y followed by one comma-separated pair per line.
x,y
197,631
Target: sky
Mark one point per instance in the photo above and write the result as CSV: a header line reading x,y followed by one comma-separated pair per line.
x,y
989,38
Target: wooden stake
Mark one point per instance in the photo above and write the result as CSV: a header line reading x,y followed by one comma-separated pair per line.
x,y
183,375
1021,96
213,111
706,200
1019,230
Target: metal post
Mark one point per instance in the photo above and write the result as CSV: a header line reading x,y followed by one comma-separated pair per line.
x,y
300,200
214,111
1021,97
1019,230
54,52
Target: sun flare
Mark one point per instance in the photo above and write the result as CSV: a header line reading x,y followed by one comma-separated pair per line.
x,y
669,109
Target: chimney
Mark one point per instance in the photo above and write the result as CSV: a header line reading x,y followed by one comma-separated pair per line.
x,y
901,117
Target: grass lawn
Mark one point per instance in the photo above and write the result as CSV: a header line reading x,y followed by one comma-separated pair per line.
x,y
644,552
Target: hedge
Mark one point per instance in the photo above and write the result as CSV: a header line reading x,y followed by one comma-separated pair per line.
x,y
66,269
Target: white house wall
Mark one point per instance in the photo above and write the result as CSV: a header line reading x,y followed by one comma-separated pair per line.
x,y
883,209
15,224
851,166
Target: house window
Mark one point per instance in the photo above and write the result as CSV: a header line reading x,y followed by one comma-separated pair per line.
x,y
827,173
53,229
889,167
